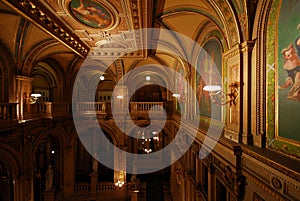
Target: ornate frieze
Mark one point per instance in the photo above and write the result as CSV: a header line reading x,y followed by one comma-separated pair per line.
x,y
232,32
40,16
276,167
266,188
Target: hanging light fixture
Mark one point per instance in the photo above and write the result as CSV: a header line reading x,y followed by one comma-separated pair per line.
x,y
148,141
32,99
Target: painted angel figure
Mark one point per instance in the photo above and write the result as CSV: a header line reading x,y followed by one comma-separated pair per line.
x,y
292,67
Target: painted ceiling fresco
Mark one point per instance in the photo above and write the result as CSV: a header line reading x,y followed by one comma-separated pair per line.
x,y
91,13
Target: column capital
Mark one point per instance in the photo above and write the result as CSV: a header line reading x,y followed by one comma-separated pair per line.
x,y
247,46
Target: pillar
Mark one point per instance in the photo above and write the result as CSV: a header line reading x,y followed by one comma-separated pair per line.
x,y
69,171
233,65
134,195
94,181
23,89
246,88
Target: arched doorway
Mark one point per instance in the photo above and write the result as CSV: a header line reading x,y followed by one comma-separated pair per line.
x,y
6,183
47,153
84,160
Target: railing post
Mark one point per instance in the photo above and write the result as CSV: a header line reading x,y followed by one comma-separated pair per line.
x,y
94,181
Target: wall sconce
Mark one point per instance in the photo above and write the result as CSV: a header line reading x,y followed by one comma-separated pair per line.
x,y
32,99
220,97
180,98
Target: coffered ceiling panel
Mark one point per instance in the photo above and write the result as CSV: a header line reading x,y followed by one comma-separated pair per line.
x,y
105,26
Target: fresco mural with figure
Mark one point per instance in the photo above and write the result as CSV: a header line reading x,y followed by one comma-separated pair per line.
x,y
180,88
288,72
91,13
209,58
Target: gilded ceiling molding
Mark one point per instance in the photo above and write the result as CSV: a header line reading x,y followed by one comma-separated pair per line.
x,y
21,35
41,17
129,42
229,21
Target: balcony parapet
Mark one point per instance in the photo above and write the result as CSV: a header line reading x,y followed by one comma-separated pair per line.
x,y
47,110
136,109
8,114
101,187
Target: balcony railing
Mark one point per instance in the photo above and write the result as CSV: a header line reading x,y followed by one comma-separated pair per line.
x,y
46,110
53,109
144,107
103,187
93,107
8,113
81,187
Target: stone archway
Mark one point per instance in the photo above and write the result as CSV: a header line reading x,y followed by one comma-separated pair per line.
x,y
6,182
83,162
10,167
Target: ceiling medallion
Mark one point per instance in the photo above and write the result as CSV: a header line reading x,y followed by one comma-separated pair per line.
x,y
92,13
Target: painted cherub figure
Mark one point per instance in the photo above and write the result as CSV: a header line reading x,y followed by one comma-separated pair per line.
x,y
90,14
292,66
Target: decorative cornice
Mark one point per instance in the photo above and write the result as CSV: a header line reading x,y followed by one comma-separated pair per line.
x,y
266,188
290,173
34,11
232,52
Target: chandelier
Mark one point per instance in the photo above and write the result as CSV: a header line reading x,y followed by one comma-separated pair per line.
x,y
148,141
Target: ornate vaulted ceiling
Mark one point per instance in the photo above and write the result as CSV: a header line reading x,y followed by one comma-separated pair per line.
x,y
68,30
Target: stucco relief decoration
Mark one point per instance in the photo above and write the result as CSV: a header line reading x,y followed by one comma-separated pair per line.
x,y
92,13
276,183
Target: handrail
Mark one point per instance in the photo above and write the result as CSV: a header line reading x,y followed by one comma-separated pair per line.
x,y
100,187
50,109
146,106
8,111
92,107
